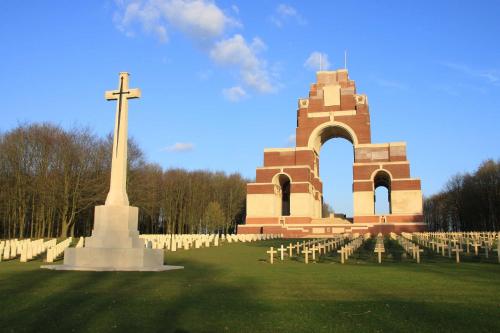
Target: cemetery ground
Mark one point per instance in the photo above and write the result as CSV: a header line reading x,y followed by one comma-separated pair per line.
x,y
233,288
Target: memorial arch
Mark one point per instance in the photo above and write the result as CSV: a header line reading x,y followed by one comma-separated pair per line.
x,y
333,109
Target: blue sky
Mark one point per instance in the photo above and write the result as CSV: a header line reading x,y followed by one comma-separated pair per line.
x,y
220,80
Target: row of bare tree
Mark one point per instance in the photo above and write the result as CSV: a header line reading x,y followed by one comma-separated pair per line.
x,y
468,202
51,179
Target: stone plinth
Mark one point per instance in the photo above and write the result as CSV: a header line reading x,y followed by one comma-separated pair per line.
x,y
114,245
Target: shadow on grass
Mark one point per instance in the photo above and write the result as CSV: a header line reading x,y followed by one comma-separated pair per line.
x,y
190,300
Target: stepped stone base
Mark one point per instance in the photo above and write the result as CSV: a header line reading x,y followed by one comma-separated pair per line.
x,y
102,259
114,245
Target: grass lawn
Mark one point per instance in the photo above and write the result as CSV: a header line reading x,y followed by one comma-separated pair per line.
x,y
233,289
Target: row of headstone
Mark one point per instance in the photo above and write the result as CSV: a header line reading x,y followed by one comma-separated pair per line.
x,y
379,247
174,242
408,245
313,248
56,250
347,250
445,243
25,249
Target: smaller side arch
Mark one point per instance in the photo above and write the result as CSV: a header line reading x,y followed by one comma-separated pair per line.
x,y
276,178
381,178
374,173
283,181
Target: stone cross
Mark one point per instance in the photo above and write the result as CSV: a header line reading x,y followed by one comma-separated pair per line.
x,y
306,254
290,249
322,248
271,253
497,250
342,253
486,249
117,195
457,251
475,245
379,250
298,248
282,250
442,244
314,248
418,251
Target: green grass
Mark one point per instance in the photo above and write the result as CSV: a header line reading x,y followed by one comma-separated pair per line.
x,y
233,289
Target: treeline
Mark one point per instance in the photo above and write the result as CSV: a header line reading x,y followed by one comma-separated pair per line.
x,y
469,202
51,179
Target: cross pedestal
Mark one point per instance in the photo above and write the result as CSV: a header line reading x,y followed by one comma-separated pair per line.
x,y
115,244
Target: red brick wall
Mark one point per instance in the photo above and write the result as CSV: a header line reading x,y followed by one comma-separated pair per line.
x,y
260,188
265,175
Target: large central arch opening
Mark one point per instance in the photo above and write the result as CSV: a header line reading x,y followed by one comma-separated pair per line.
x,y
334,144
336,160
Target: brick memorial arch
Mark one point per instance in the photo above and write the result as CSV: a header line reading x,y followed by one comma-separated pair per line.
x,y
287,194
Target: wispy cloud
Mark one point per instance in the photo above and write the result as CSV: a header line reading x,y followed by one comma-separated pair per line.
x,y
490,75
234,94
291,139
317,61
179,147
286,13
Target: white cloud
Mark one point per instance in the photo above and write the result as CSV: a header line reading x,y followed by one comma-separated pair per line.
x,y
234,94
205,23
200,19
317,61
179,147
284,13
291,139
235,51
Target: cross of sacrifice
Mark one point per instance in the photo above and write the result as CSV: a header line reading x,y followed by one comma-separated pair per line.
x,y
282,251
271,253
117,192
